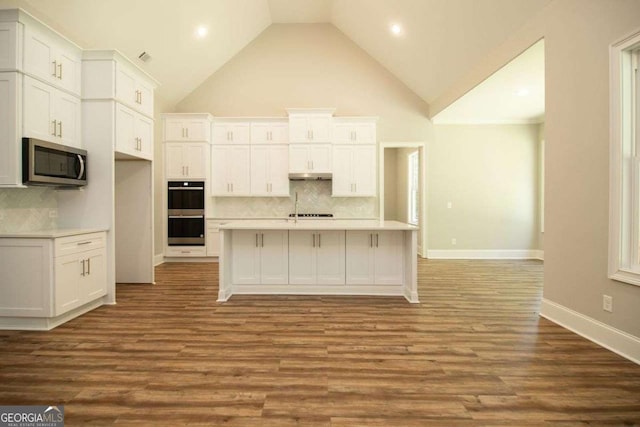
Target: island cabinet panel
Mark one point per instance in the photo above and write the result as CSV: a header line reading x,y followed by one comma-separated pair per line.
x,y
374,257
316,257
260,257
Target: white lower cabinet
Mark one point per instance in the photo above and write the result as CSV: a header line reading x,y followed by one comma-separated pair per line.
x,y
80,278
374,257
45,278
260,257
185,251
317,257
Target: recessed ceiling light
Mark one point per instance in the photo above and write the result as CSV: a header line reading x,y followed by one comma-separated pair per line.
x,y
396,29
522,92
201,31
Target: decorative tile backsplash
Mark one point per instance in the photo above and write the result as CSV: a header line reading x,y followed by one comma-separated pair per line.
x,y
313,197
28,209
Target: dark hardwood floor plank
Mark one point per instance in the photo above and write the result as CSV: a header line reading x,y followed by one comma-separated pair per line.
x,y
473,353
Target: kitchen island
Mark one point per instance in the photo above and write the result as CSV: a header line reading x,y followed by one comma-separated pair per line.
x,y
318,257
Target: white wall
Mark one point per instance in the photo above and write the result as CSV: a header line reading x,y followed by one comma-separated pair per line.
x,y
310,65
489,173
577,36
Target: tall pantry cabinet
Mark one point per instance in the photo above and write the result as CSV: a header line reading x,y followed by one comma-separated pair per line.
x,y
117,130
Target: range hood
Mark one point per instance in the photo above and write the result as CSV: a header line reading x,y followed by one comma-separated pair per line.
x,y
310,176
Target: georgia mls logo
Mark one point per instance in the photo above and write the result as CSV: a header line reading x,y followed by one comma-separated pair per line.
x,y
31,416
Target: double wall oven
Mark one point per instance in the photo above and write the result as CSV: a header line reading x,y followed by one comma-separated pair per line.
x,y
185,204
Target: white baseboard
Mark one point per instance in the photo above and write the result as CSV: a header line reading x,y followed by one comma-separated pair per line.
x,y
485,254
158,259
622,343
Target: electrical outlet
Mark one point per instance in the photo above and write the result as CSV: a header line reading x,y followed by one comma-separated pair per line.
x,y
454,241
607,303
449,205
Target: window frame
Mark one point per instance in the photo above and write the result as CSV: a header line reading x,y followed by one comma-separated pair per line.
x,y
413,187
624,171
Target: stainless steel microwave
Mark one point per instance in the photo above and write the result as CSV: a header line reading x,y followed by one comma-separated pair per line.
x,y
49,164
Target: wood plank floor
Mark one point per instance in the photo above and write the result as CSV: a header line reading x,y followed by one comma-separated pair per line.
x,y
473,353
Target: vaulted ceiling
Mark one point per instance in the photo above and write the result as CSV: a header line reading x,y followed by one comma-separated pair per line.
x,y
439,39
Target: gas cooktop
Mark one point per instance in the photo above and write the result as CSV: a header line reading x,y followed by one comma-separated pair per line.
x,y
312,215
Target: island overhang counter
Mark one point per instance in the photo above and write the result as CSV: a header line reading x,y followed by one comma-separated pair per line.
x,y
318,257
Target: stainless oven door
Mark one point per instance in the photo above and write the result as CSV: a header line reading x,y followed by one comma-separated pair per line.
x,y
186,230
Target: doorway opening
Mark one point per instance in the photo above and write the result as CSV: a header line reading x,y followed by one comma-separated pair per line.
x,y
403,186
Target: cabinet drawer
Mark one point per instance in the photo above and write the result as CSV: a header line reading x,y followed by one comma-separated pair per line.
x,y
80,243
186,251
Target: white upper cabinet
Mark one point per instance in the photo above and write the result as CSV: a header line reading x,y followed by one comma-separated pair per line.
x,y
187,127
230,170
108,75
269,176
10,147
354,130
307,158
231,132
134,134
10,58
310,125
276,132
133,90
354,171
50,114
186,160
51,59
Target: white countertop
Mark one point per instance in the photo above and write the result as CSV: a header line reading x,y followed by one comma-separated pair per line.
x,y
316,224
48,234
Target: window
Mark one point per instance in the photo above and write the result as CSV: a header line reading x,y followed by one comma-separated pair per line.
x,y
413,180
624,211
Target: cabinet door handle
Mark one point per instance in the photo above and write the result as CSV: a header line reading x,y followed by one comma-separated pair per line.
x,y
89,266
187,170
83,268
319,240
370,240
60,71
187,129
377,236
355,187
256,240
60,132
55,69
232,187
314,240
140,92
55,127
